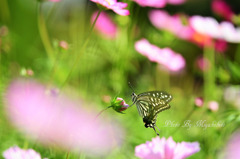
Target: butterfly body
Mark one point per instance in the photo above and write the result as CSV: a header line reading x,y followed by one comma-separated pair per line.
x,y
149,104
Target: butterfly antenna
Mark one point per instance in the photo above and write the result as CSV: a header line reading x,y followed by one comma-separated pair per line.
x,y
155,131
130,85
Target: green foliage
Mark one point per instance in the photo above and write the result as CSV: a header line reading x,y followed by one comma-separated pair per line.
x,y
106,66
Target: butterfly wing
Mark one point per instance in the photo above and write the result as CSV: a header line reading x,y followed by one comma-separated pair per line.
x,y
149,104
143,108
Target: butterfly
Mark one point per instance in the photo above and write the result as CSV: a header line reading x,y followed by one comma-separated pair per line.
x,y
149,104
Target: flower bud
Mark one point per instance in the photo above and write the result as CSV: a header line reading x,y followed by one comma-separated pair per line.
x,y
119,105
199,102
213,106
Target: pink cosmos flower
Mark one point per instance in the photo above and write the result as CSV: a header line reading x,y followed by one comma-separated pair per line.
x,y
158,3
205,25
210,27
161,148
18,153
117,7
166,57
162,20
54,119
213,106
232,95
232,148
152,3
221,8
105,25
54,0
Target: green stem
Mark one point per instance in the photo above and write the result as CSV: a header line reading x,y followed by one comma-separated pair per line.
x,y
43,33
209,74
68,154
81,50
237,55
102,112
54,67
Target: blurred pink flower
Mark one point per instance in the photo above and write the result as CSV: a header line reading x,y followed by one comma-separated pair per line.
x,y
162,20
26,72
232,95
221,8
117,7
53,119
221,46
158,3
166,149
54,0
210,27
213,106
63,44
166,57
105,25
205,25
199,101
18,153
232,147
203,64
152,3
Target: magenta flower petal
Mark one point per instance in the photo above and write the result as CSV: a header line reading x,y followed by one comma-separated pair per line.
x,y
18,153
210,27
169,148
205,25
163,21
105,25
152,3
221,45
117,7
232,147
160,19
186,149
160,148
221,8
123,12
146,49
229,32
166,57
54,119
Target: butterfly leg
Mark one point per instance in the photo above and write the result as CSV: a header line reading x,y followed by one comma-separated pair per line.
x,y
155,131
157,128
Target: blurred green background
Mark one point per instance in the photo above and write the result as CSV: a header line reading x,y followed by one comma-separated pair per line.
x,y
106,66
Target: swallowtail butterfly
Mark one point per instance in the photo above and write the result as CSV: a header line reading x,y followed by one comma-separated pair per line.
x,y
149,104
